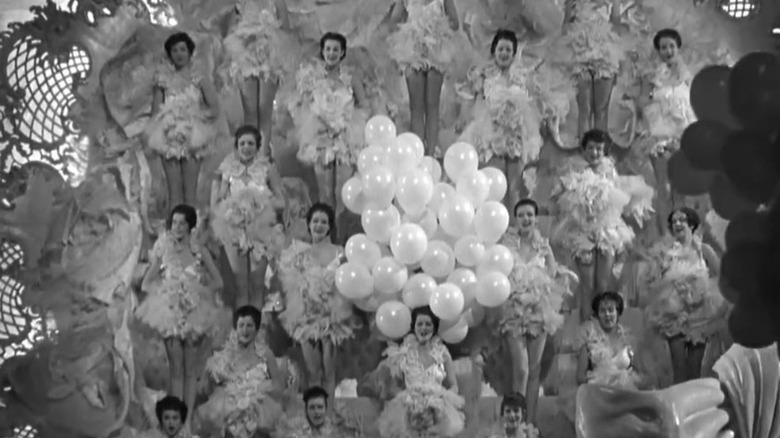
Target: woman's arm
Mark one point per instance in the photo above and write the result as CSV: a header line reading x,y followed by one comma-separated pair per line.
x,y
583,363
158,95
277,378
215,279
452,379
398,13
358,90
452,13
152,274
210,96
711,259
277,188
224,188
282,13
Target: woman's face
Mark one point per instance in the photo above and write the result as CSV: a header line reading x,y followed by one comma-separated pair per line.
x,y
594,152
171,422
423,328
504,53
180,54
332,52
525,216
608,314
512,416
667,49
679,225
316,410
247,147
246,330
319,227
180,228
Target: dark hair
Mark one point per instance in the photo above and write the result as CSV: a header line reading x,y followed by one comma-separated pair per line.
x,y
315,392
425,311
250,311
189,213
179,37
503,34
250,130
513,400
608,296
171,403
595,136
324,208
667,33
691,217
334,36
527,201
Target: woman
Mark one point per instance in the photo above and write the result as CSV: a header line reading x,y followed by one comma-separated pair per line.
x,y
666,111
262,52
425,407
182,128
686,304
606,356
315,314
171,415
181,302
589,33
591,200
245,373
424,46
250,192
512,424
532,312
328,117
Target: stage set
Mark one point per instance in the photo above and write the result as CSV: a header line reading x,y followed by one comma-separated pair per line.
x,y
390,218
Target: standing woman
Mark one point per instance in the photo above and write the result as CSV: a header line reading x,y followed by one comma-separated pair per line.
x,y
425,48
666,112
533,311
589,33
328,118
315,314
181,302
185,108
262,52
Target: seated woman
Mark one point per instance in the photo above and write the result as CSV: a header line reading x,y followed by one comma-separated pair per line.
x,y
171,414
512,424
245,373
606,355
425,407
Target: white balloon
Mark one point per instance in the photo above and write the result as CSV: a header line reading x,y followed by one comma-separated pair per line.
x,y
447,301
352,195
427,221
389,276
414,191
414,143
379,128
393,319
493,289
354,281
370,158
409,243
432,167
454,333
400,157
379,223
491,221
439,260
378,186
459,159
469,250
497,258
497,182
474,186
418,290
456,215
362,250
466,280
441,193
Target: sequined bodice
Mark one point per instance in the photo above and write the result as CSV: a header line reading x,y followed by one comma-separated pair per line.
x,y
180,87
502,88
607,352
173,265
241,176
678,258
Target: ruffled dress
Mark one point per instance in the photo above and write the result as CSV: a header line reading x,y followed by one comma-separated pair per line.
x,y
299,427
329,126
183,127
611,362
258,46
685,300
524,430
534,307
669,111
184,432
424,408
592,201
594,46
180,306
313,309
241,404
246,217
505,120
425,40
552,90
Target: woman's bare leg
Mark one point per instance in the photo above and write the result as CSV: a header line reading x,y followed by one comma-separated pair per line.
x,y
517,190
191,373
585,271
518,363
174,350
191,173
257,290
268,90
678,353
584,105
239,265
694,359
663,199
313,359
415,82
535,349
602,95
175,181
250,92
329,356
605,262
433,83
325,183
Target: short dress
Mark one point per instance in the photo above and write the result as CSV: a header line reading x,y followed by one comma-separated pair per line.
x,y
425,40
182,128
180,306
594,46
505,119
313,309
524,430
611,362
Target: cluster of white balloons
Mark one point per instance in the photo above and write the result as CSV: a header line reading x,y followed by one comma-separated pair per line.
x,y
425,241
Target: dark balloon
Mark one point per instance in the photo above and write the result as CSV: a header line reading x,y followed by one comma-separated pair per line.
x,y
748,160
687,180
754,91
748,228
727,201
702,142
750,324
710,94
741,268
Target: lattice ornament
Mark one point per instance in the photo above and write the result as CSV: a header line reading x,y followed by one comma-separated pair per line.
x,y
740,8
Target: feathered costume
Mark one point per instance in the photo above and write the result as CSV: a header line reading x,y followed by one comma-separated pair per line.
x,y
314,310
329,126
669,111
424,408
505,120
184,127
592,201
241,404
426,39
259,46
179,305
299,427
524,430
534,307
246,217
685,300
611,362
184,432
594,46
